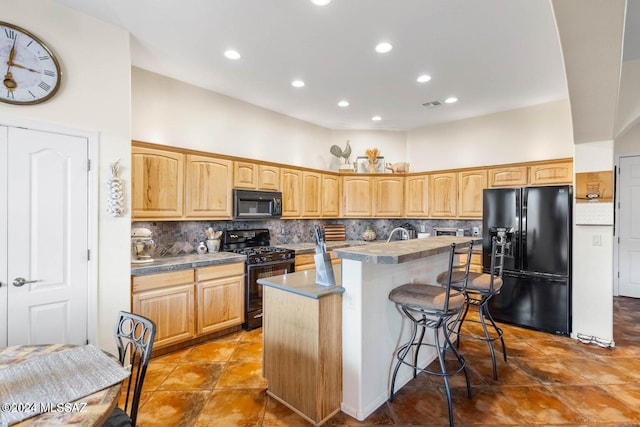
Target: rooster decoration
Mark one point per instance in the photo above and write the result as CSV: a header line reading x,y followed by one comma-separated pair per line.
x,y
338,152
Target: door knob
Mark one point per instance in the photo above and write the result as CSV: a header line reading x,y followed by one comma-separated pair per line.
x,y
21,281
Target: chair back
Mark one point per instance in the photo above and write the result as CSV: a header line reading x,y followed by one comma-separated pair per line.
x,y
498,245
134,335
459,271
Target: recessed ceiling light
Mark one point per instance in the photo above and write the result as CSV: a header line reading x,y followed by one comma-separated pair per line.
x,y
451,100
321,2
343,103
383,47
232,54
423,78
376,118
297,83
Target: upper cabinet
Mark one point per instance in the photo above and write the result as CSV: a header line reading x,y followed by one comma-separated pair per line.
x,y
515,176
256,176
311,194
551,173
330,197
208,187
416,196
357,192
444,195
388,196
291,187
157,183
470,187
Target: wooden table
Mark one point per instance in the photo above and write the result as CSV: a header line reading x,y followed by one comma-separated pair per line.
x,y
91,410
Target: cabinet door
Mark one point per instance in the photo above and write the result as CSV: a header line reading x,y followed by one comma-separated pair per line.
x,y
515,176
311,184
208,187
220,304
157,184
470,187
356,197
416,193
268,177
388,197
171,309
330,197
305,262
444,195
291,181
245,175
551,174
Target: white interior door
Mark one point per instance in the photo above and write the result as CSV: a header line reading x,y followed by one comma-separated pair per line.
x,y
3,236
629,246
47,237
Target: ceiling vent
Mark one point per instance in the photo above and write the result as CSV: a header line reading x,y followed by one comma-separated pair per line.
x,y
432,104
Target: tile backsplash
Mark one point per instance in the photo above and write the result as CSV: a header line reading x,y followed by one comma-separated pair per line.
x,y
174,238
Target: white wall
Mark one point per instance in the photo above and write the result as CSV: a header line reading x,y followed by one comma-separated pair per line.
x,y
540,132
593,265
392,144
629,142
94,96
629,99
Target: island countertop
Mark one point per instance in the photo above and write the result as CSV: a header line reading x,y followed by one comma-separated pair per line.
x,y
304,283
399,251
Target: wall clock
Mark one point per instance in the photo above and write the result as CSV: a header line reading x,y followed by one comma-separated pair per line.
x,y
31,71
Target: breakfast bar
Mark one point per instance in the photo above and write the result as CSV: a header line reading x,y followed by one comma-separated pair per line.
x,y
372,326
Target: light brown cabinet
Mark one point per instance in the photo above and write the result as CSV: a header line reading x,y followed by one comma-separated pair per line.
x,y
157,183
551,173
256,176
416,196
307,262
189,303
515,176
291,180
471,185
208,187
357,195
444,195
311,194
330,197
388,196
220,297
168,300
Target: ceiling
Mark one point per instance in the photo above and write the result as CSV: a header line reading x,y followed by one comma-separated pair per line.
x,y
493,55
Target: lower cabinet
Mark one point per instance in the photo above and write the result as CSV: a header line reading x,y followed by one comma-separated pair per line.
x,y
307,262
186,304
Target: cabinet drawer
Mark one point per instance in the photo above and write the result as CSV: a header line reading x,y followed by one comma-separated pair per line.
x,y
161,280
219,271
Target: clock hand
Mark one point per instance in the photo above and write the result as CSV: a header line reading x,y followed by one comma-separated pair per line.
x,y
23,67
12,53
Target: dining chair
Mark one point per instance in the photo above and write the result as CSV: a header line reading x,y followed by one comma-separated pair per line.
x,y
438,309
134,335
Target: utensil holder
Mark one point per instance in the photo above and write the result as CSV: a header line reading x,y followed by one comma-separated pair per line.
x,y
324,270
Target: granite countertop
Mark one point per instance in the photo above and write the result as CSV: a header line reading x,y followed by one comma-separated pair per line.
x,y
162,265
304,283
399,251
310,247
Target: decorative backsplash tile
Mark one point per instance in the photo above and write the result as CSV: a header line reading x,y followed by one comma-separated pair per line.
x,y
182,237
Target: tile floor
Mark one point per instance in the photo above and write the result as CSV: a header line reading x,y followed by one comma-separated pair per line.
x,y
548,380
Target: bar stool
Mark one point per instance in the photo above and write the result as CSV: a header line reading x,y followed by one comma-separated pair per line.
x,y
438,309
479,289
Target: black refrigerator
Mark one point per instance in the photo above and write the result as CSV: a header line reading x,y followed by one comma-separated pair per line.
x,y
537,268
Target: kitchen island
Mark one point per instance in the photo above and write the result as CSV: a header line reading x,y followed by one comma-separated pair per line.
x,y
372,326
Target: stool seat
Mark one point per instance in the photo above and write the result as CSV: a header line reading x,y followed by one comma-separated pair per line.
x,y
477,281
426,297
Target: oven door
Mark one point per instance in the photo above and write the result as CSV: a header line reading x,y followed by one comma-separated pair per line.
x,y
253,292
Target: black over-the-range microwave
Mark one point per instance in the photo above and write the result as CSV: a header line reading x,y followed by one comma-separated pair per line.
x,y
251,204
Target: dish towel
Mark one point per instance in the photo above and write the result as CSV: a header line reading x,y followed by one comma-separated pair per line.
x,y
41,383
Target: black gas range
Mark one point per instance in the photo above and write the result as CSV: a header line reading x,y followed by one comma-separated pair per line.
x,y
263,260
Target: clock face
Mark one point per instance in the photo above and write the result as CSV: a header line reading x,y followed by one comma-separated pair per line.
x,y
31,74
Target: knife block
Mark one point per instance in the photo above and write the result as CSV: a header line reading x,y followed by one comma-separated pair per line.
x,y
324,270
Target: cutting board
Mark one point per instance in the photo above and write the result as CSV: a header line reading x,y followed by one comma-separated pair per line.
x,y
335,232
